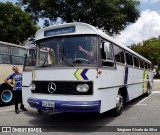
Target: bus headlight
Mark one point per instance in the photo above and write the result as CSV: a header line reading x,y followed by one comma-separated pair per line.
x,y
82,87
32,86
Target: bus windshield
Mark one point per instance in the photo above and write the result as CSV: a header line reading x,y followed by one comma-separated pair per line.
x,y
71,50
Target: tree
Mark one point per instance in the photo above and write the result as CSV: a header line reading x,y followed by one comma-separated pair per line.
x,y
111,15
150,49
15,25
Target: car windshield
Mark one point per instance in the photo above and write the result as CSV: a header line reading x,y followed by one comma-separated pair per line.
x,y
71,51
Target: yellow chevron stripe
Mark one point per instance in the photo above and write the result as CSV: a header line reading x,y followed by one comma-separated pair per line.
x,y
145,81
78,74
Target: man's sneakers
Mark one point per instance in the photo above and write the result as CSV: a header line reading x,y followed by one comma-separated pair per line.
x,y
17,111
23,108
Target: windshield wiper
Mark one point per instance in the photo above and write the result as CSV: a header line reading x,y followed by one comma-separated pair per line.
x,y
44,61
68,59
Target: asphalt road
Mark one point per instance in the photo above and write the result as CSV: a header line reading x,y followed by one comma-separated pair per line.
x,y
143,111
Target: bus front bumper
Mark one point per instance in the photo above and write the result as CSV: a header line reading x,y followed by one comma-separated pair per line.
x,y
65,106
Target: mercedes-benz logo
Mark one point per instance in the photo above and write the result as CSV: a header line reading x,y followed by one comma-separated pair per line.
x,y
51,87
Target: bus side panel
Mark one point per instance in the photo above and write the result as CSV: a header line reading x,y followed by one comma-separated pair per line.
x,y
137,82
112,77
134,91
110,82
134,83
108,99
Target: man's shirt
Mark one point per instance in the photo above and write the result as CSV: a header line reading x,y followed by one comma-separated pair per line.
x,y
17,80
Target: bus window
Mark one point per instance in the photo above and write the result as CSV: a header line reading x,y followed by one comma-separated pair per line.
x,y
141,64
52,57
149,66
129,59
4,54
81,50
18,55
42,57
31,58
51,50
107,54
4,49
146,65
136,62
72,50
119,54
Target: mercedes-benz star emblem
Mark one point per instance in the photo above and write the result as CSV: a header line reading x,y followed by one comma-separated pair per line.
x,y
51,87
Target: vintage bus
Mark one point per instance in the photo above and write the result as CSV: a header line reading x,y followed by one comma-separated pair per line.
x,y
88,71
10,54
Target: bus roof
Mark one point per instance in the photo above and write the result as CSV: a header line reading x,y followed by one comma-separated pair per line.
x,y
76,29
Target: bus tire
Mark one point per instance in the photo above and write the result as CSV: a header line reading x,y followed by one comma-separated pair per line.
x,y
6,96
148,90
119,104
40,111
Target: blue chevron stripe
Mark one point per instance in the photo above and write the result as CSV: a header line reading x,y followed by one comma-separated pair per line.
x,y
83,74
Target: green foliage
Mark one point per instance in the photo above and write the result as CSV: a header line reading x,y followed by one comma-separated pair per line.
x,y
111,15
150,50
15,25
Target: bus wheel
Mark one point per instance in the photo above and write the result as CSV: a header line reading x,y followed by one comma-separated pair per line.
x,y
40,111
148,90
6,96
119,105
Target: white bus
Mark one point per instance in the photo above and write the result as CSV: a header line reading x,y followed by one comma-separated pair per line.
x,y
88,71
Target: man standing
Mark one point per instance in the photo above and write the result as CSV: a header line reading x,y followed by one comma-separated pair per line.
x,y
16,78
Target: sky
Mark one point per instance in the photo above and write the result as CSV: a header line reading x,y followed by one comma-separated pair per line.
x,y
146,27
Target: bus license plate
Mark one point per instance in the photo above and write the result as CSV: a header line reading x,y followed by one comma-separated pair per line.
x,y
48,104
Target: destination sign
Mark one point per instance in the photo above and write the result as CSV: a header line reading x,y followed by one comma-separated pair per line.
x,y
59,31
